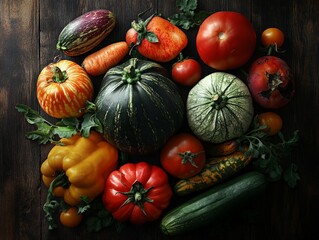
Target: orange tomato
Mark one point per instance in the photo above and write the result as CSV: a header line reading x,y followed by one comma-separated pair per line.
x,y
272,36
272,120
63,88
70,217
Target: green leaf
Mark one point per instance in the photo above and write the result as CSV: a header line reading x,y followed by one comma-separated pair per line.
x,y
90,107
43,133
84,204
30,115
187,17
182,20
93,224
200,17
186,5
90,121
275,171
65,128
38,136
64,131
151,37
267,151
69,122
291,175
99,221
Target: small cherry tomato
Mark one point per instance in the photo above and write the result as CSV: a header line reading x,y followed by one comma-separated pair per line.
x,y
272,36
183,156
70,217
187,72
272,120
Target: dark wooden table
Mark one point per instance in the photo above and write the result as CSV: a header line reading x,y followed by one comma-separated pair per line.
x,y
29,31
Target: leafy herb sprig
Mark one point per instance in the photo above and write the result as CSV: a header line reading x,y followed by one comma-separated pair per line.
x,y
267,153
188,17
65,128
99,218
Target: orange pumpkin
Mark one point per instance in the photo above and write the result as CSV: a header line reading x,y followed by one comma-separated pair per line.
x,y
63,89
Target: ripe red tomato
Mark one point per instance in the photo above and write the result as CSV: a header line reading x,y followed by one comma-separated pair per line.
x,y
70,217
270,82
272,121
272,36
137,192
183,156
187,72
63,89
157,39
225,40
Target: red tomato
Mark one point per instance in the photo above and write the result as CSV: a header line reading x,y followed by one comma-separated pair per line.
x,y
225,40
183,156
272,36
270,82
63,88
137,192
187,72
70,217
272,121
161,40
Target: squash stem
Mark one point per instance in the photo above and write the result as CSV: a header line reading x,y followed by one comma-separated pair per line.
x,y
219,101
130,74
58,75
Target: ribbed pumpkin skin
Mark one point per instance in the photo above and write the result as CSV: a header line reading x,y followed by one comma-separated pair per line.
x,y
139,117
219,108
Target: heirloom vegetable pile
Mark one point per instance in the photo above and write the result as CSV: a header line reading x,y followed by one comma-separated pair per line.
x,y
217,147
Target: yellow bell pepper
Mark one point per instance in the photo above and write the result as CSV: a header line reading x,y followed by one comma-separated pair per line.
x,y
79,167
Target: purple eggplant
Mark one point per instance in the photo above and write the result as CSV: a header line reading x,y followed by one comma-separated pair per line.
x,y
85,32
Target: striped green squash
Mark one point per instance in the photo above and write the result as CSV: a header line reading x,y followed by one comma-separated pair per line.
x,y
219,108
139,107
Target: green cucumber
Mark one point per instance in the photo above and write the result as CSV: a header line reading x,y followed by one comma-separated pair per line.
x,y
214,204
85,32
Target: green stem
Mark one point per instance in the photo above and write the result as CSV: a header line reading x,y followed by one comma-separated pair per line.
x,y
130,73
51,205
188,156
58,75
137,195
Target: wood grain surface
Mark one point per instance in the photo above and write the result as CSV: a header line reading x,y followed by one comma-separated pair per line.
x,y
28,34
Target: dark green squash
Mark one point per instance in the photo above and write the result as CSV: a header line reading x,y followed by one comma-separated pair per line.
x,y
139,107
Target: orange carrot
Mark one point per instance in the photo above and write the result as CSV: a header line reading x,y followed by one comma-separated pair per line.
x,y
102,60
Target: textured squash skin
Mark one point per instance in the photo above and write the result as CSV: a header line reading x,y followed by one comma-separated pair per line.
x,y
215,171
219,108
139,117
